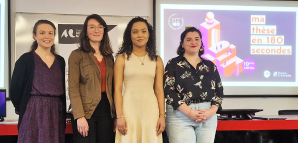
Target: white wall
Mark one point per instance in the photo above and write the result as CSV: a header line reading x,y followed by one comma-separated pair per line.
x,y
130,8
102,7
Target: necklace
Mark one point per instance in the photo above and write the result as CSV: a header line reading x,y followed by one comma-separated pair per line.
x,y
143,59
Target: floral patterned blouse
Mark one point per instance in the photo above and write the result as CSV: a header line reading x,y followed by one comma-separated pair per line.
x,y
185,84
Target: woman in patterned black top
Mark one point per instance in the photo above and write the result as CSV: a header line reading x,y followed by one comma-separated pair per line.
x,y
194,92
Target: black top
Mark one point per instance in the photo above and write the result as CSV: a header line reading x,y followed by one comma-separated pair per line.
x,y
184,83
21,83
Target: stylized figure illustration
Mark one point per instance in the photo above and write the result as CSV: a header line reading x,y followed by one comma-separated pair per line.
x,y
221,53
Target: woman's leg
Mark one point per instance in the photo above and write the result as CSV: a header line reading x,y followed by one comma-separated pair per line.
x,y
205,132
180,128
105,133
104,121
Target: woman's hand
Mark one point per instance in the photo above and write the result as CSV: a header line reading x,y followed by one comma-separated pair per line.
x,y
83,126
197,115
206,114
121,126
161,124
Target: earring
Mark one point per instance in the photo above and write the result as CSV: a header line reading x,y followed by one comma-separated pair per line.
x,y
201,49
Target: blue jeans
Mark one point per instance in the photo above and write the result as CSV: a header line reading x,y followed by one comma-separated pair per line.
x,y
181,129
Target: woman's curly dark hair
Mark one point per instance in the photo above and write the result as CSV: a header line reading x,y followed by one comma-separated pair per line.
x,y
126,47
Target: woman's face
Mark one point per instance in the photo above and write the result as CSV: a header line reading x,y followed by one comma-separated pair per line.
x,y
45,35
95,30
139,34
192,43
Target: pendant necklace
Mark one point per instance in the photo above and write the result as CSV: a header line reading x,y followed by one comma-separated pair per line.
x,y
143,59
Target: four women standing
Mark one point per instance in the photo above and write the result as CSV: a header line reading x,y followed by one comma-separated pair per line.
x,y
193,88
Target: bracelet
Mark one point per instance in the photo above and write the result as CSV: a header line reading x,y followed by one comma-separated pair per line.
x,y
120,117
163,115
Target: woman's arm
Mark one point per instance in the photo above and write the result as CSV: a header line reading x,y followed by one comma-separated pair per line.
x,y
218,96
74,85
158,82
118,84
75,94
217,99
17,84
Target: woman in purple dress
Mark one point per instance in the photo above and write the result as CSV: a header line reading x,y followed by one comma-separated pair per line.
x,y
37,89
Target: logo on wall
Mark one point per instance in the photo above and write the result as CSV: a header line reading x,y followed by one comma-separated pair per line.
x,y
69,33
175,22
267,73
281,74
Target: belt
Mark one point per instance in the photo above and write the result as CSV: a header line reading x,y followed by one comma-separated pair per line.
x,y
195,101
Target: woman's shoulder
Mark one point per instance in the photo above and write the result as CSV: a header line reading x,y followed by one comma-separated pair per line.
x,y
174,60
210,65
109,59
110,56
120,60
60,58
77,53
208,62
25,57
159,60
121,56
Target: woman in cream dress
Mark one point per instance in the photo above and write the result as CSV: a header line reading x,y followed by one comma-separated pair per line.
x,y
140,111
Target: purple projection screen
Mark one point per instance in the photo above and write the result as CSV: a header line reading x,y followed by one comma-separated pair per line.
x,y
250,45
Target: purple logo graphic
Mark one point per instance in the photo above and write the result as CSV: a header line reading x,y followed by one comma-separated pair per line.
x,y
249,65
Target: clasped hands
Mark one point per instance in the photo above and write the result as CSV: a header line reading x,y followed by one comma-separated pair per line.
x,y
200,115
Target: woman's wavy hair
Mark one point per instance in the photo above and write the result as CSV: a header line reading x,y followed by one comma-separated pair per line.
x,y
180,50
126,47
35,44
105,44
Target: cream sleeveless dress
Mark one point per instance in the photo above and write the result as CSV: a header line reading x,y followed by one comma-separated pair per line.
x,y
140,106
